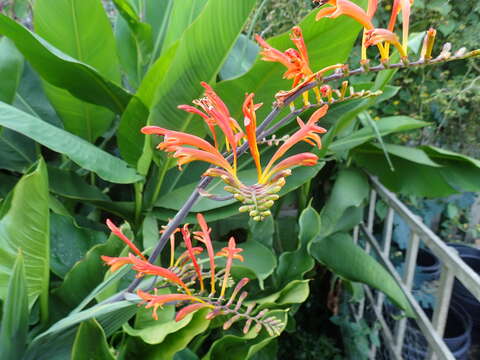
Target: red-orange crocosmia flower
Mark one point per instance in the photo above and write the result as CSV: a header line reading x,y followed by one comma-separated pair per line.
x,y
189,309
347,8
259,197
296,61
230,252
145,268
116,263
115,230
156,301
191,253
204,236
405,7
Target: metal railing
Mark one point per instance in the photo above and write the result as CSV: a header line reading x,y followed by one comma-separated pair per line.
x,y
452,267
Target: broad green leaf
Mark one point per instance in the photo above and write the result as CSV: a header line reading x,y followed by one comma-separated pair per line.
x,y
265,78
91,343
130,139
134,41
183,14
88,272
292,265
295,292
173,342
7,182
262,231
346,259
242,347
25,227
69,243
14,324
11,65
153,331
206,42
413,175
18,151
63,71
69,185
88,156
387,125
459,171
150,232
259,260
98,312
57,347
240,59
350,190
31,98
80,29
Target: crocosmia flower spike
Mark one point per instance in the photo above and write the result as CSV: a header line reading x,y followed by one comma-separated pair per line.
x,y
257,198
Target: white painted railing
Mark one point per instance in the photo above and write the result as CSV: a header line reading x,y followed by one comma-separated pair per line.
x,y
452,267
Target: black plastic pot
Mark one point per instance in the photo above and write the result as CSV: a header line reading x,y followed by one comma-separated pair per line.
x,y
465,299
465,249
457,336
427,269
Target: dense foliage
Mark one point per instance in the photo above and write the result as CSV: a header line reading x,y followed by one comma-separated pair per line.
x,y
84,93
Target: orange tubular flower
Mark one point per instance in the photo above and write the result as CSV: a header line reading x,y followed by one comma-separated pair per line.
x,y
189,309
230,252
156,301
191,253
144,267
116,263
405,7
216,113
259,197
308,132
115,230
296,61
348,8
204,237
376,36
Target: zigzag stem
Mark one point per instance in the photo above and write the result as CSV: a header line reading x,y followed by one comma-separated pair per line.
x,y
261,134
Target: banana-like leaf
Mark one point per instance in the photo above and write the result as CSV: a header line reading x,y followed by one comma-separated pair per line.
x,y
14,324
91,342
63,71
25,227
11,65
80,29
339,253
88,156
196,56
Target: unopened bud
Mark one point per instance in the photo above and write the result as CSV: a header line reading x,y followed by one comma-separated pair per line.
x,y
428,41
231,189
274,189
265,213
253,213
257,218
244,208
239,197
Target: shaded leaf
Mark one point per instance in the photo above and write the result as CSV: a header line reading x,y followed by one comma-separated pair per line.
x,y
25,226
91,343
62,70
11,66
86,155
81,30
350,190
346,259
14,325
69,243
